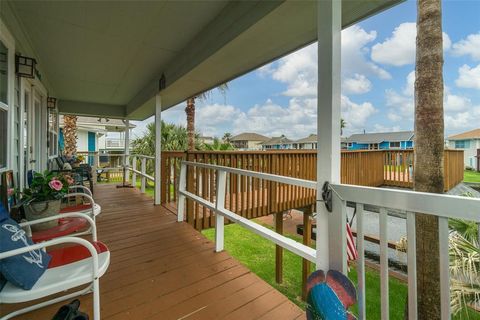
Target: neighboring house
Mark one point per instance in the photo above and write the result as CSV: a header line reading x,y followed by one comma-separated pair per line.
x,y
99,135
308,143
278,143
206,139
469,142
380,141
248,141
344,143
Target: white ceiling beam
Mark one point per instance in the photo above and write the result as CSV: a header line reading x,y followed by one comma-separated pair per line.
x,y
91,109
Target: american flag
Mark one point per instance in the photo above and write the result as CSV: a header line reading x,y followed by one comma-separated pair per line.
x,y
352,253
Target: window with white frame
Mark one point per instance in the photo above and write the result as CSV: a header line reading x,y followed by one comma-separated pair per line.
x,y
4,108
395,144
462,144
52,132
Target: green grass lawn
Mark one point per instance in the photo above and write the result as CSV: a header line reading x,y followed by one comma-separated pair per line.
x,y
258,254
471,176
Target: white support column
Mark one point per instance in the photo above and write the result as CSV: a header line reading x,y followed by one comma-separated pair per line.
x,y
158,148
126,159
330,226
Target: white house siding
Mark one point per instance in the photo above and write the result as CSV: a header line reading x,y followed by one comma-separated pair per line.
x,y
255,145
82,140
469,154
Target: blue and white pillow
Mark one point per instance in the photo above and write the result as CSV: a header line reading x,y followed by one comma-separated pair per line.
x,y
25,269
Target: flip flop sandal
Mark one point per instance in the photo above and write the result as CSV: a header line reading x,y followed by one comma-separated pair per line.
x,y
81,316
68,311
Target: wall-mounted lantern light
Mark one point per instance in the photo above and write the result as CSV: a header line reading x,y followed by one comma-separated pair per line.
x,y
51,102
25,66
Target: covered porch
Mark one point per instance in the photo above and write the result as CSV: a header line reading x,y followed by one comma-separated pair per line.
x,y
134,60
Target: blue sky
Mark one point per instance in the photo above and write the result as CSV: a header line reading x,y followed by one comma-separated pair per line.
x,y
377,81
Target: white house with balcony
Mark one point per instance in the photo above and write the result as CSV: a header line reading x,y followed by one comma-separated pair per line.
x,y
469,142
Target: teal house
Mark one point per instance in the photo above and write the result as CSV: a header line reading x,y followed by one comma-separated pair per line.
x,y
400,140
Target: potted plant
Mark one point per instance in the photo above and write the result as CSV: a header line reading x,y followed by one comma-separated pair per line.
x,y
44,196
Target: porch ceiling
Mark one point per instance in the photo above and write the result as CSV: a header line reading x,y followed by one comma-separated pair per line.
x,y
106,58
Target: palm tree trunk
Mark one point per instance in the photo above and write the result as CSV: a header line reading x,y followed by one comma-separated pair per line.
x,y
70,134
429,144
190,111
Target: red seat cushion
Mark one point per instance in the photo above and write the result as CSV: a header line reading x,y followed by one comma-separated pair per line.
x,y
65,227
78,207
66,255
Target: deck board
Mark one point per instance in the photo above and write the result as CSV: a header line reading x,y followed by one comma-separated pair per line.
x,y
161,269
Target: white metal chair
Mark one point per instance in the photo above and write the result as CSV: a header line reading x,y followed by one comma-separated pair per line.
x,y
94,209
70,267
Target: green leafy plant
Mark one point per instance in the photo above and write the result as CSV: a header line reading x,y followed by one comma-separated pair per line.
x,y
47,186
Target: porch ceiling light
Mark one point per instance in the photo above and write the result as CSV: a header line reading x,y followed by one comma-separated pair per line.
x,y
25,66
51,102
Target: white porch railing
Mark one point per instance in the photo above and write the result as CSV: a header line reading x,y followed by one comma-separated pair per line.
x,y
142,172
442,206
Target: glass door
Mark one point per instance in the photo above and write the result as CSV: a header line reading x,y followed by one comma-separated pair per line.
x,y
34,128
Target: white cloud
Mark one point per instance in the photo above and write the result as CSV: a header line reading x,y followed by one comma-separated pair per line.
x,y
469,46
455,103
468,77
356,115
463,120
399,48
355,53
381,128
393,116
296,120
299,69
459,110
357,84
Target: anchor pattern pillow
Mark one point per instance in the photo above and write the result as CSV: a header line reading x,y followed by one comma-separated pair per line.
x,y
25,269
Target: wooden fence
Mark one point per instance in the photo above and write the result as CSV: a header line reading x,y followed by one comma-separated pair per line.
x,y
252,197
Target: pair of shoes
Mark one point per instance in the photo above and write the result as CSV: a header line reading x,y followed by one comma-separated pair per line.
x,y
70,312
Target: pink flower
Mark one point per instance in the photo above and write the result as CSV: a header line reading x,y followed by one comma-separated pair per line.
x,y
56,184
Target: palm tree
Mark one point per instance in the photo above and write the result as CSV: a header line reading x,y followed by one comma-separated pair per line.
x,y
227,137
174,138
217,145
428,174
343,124
70,134
190,111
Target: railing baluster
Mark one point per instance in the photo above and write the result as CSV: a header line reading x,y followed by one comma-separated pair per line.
x,y
361,263
182,186
134,174
143,170
444,267
383,264
220,204
412,266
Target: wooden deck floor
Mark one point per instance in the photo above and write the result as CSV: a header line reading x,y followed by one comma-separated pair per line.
x,y
161,269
